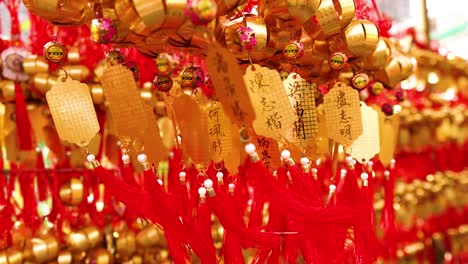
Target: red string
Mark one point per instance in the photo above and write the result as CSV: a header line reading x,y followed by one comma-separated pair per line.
x,y
12,6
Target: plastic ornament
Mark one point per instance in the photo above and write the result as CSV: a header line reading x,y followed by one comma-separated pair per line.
x,y
337,60
102,30
247,37
293,50
400,95
360,81
376,88
54,52
163,82
387,109
201,12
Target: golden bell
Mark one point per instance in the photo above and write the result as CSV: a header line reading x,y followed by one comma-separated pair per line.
x,y
11,256
43,81
71,192
65,257
42,249
100,256
93,235
8,90
35,64
97,93
77,72
20,234
78,242
150,236
126,244
71,12
73,55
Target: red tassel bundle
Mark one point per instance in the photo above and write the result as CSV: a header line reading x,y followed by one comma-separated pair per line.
x,y
23,124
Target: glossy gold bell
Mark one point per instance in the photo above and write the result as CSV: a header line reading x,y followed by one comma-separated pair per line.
x,y
35,64
77,72
100,256
65,257
71,193
64,12
126,244
97,93
43,81
8,90
42,249
11,256
151,236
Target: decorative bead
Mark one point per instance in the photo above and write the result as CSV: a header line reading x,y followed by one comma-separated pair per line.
x,y
360,81
91,158
250,148
182,174
142,158
201,12
314,171
285,154
125,158
188,78
208,183
102,30
364,176
387,109
247,37
54,52
163,82
349,159
304,161
160,182
293,50
343,172
332,188
400,95
202,191
337,61
231,187
220,175
376,88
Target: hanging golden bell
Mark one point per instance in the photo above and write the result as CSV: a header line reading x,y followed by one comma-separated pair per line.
x,y
151,236
35,64
100,256
126,244
71,193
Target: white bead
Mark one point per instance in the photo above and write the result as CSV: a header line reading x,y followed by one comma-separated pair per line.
x,y
219,175
142,158
392,162
182,174
364,176
314,170
387,173
349,159
231,186
250,148
304,161
125,158
343,172
91,158
332,187
160,182
370,163
208,183
202,191
171,155
285,154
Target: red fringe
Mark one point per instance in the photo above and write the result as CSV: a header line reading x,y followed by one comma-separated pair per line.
x,y
42,181
23,124
388,218
29,213
204,231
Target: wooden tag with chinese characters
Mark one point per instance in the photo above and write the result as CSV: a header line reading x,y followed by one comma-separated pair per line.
x,y
274,113
301,96
268,151
232,160
73,111
343,114
367,145
226,74
193,126
151,139
219,132
125,105
318,146
388,129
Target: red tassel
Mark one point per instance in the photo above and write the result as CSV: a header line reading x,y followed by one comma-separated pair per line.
x,y
29,213
23,124
204,231
42,182
131,196
232,247
388,216
6,214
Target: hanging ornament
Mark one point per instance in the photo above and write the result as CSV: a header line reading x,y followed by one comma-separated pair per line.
x,y
293,50
188,78
367,145
12,63
201,12
343,115
219,132
102,30
376,88
337,60
247,37
163,63
55,52
73,111
163,82
360,81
